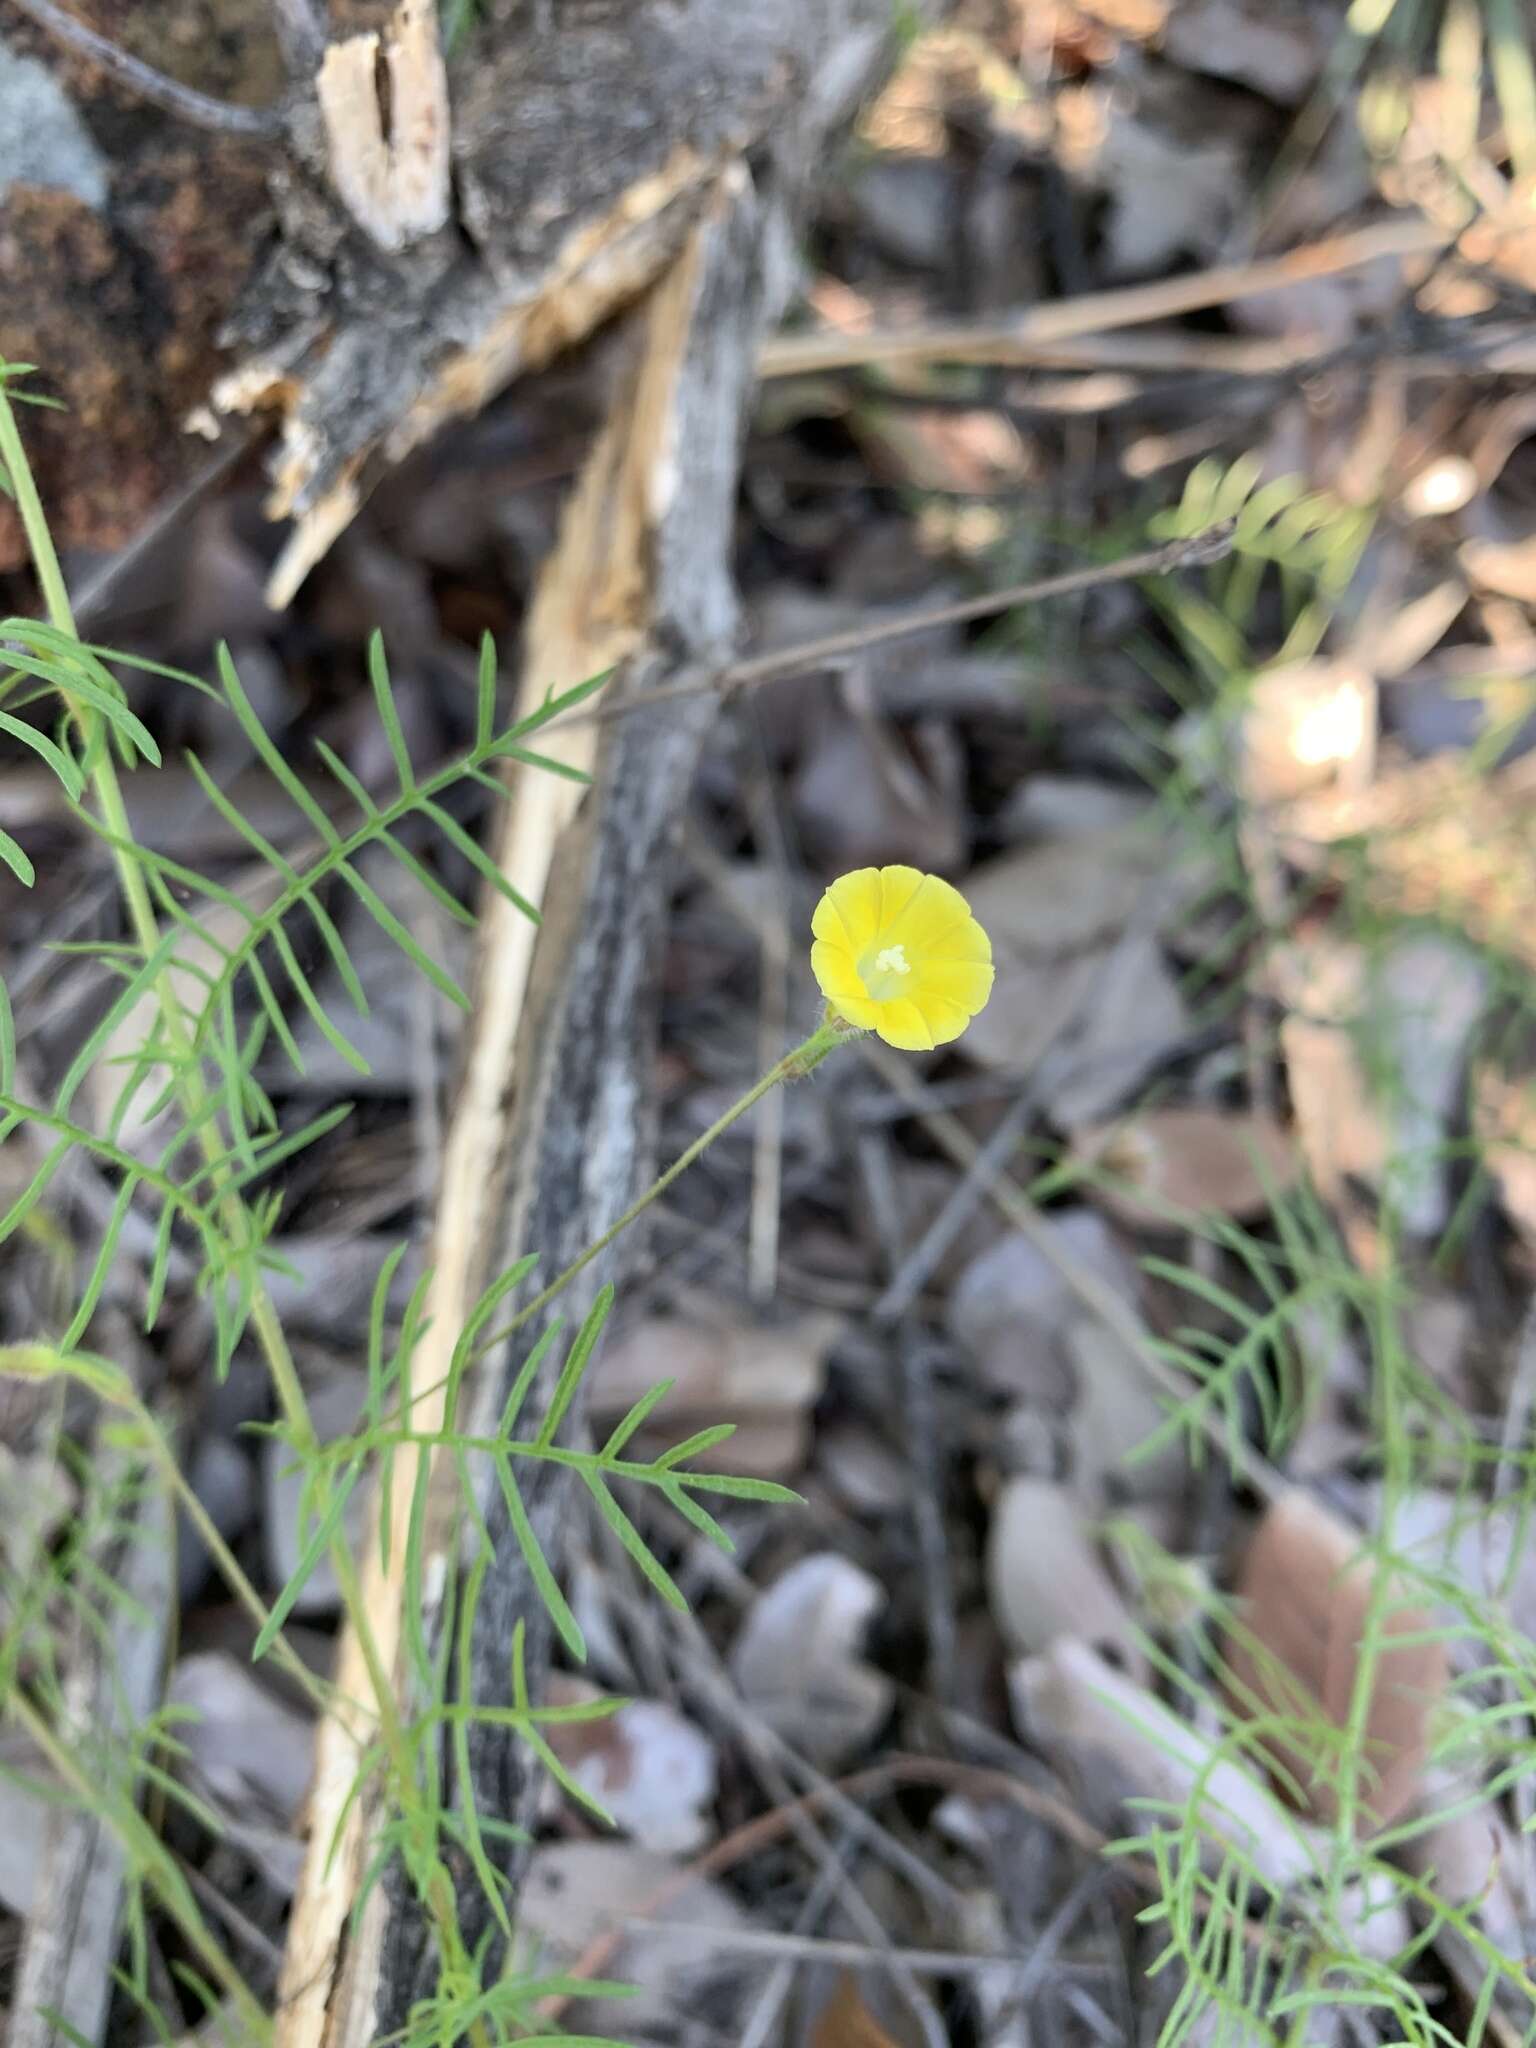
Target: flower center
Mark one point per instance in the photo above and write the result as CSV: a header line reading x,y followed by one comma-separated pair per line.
x,y
884,977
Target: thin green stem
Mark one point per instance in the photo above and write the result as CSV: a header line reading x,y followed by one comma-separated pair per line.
x,y
210,1955
140,907
808,1054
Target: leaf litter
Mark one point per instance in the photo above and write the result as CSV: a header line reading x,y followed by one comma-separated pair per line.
x,y
1229,1450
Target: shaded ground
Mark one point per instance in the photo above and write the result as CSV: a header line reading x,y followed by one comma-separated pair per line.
x,y
1156,1364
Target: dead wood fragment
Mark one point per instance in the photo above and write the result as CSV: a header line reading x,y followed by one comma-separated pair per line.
x,y
64,1979
639,580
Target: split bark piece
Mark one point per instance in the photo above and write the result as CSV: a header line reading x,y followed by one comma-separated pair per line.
x,y
640,580
366,333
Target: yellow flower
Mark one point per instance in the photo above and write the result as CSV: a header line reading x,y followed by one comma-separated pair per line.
x,y
898,952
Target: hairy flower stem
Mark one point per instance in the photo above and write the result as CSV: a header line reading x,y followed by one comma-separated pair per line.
x,y
794,1066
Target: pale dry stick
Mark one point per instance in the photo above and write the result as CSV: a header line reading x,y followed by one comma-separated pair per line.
x,y
590,612
814,1948
771,1758
578,628
1018,1210
765,1829
773,1028
1199,551
224,117
759,2023
794,355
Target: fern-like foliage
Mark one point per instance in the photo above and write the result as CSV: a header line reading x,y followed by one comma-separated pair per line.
x,y
1310,539
192,1056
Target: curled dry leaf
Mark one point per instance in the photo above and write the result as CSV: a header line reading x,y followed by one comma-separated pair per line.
x,y
1116,1742
765,1379
686,1990
796,1657
1470,1850
1163,1165
646,1764
1308,1595
1045,1578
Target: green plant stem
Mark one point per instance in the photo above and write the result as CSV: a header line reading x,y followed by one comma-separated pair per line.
x,y
808,1054
207,1950
140,907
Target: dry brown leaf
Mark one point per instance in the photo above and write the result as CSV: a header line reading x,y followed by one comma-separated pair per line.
x,y
1164,1164
1307,1593
970,453
845,2021
763,1378
1079,998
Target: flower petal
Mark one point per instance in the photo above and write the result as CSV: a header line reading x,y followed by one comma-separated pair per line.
x,y
945,1019
924,917
963,940
904,1025
966,982
849,912
836,975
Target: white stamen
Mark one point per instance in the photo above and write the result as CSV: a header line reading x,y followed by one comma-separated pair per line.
x,y
892,961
